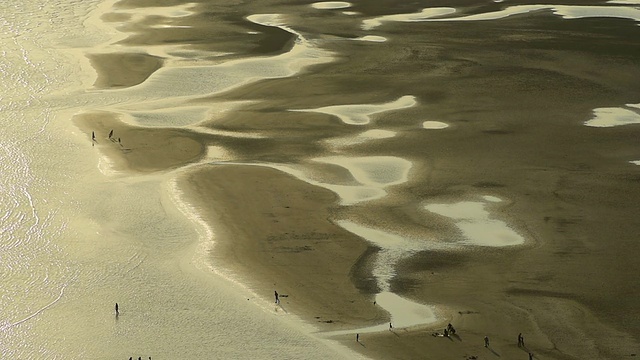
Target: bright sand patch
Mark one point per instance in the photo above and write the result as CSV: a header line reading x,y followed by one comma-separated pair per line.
x,y
369,135
328,5
636,162
377,171
566,12
426,13
475,223
609,117
371,38
435,125
360,114
393,248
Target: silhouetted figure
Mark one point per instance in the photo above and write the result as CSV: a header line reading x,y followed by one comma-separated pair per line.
x,y
390,327
130,357
93,136
446,332
110,134
486,341
277,298
120,141
357,337
520,340
117,312
530,356
450,329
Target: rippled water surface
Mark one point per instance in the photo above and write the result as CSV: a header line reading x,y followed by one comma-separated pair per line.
x,y
73,241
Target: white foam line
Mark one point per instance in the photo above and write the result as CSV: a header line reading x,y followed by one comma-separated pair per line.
x,y
359,114
8,326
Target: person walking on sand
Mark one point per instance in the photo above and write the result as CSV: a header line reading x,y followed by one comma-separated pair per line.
x,y
390,327
520,340
93,136
117,312
530,356
110,134
357,337
486,341
277,298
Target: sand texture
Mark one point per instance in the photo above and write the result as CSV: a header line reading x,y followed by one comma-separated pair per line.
x,y
510,98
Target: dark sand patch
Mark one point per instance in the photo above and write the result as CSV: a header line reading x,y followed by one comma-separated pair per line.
x,y
140,149
516,92
272,231
117,70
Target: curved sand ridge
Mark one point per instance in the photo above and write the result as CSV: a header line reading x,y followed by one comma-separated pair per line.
x,y
153,102
360,114
565,11
369,135
423,15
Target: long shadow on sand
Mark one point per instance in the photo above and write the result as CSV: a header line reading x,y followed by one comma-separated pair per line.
x,y
494,352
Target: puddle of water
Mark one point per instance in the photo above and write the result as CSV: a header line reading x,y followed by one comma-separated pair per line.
x,y
475,223
363,137
372,38
328,5
377,171
359,114
426,13
434,125
609,117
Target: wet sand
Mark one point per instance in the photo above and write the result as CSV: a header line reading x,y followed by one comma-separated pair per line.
x,y
515,94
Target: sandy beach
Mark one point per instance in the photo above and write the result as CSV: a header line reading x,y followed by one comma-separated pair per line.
x,y
281,163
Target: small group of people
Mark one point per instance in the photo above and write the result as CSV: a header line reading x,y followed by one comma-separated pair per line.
x,y
520,343
93,138
449,330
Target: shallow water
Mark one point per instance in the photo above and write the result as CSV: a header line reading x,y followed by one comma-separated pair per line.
x,y
75,241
